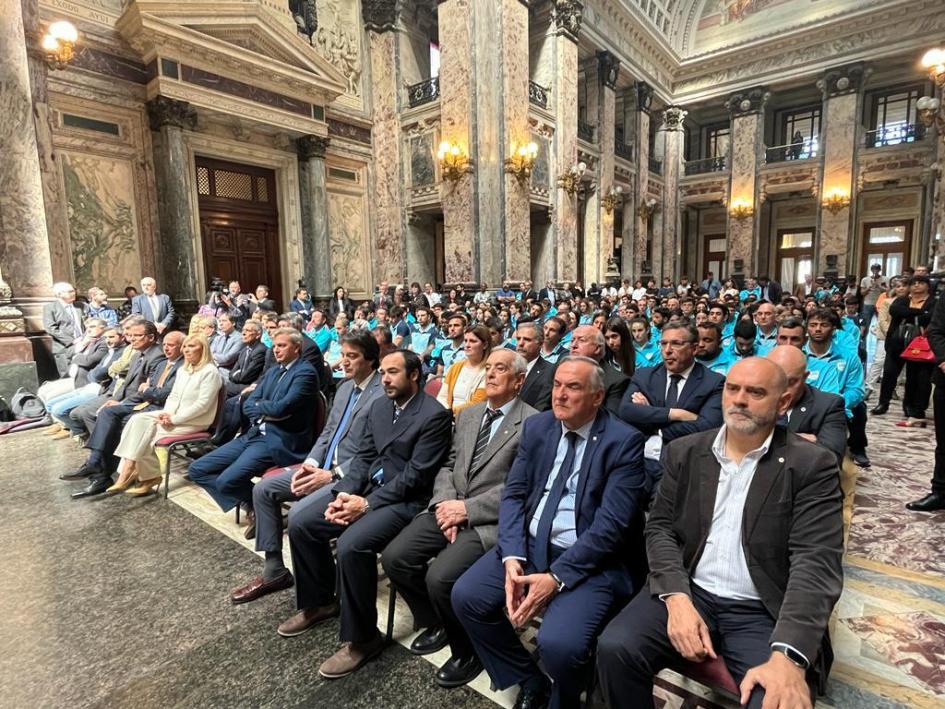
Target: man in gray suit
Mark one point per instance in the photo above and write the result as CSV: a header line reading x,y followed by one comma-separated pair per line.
x,y
153,306
813,414
461,522
63,322
310,482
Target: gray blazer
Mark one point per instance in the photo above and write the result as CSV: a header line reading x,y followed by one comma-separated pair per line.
x,y
140,305
349,439
58,323
481,489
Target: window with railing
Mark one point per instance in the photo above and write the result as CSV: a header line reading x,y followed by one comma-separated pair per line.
x,y
622,148
425,91
585,131
656,166
699,167
798,135
537,95
892,117
717,141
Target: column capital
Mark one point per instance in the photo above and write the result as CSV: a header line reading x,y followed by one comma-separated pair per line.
x,y
747,102
164,111
568,17
673,117
844,80
380,15
644,95
608,67
312,146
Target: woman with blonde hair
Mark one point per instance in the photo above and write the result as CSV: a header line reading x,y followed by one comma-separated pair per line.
x,y
465,380
190,407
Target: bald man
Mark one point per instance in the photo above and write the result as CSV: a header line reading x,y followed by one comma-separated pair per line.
x,y
744,542
588,341
813,414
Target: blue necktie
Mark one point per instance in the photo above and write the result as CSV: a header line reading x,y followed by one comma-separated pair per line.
x,y
342,427
543,534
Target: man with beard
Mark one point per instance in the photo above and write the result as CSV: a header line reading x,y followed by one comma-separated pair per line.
x,y
744,542
709,350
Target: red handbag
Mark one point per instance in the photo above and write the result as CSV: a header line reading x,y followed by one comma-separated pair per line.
x,y
918,350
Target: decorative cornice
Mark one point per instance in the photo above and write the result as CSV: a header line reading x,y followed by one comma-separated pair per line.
x,y
568,17
380,15
312,146
164,111
608,68
745,103
673,117
845,80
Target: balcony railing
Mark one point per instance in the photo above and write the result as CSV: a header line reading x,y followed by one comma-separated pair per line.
x,y
894,135
705,165
426,91
656,166
585,131
537,95
791,151
623,150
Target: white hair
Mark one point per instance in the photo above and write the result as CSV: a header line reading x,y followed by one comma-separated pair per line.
x,y
62,287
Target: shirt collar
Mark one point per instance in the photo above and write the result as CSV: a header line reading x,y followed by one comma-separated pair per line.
x,y
683,375
363,384
718,447
583,432
505,408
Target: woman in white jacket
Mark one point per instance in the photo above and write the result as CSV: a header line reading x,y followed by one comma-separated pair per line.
x,y
190,407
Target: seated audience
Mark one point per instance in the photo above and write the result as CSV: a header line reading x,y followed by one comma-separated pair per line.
x,y
575,489
301,303
554,330
461,521
87,352
63,322
340,304
753,580
225,346
98,307
464,383
539,378
387,483
153,306
588,341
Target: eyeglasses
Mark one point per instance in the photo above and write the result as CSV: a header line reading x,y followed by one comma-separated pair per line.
x,y
674,344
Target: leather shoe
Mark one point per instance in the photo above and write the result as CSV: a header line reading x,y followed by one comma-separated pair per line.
x,y
532,699
879,409
350,657
259,587
859,457
84,472
250,531
95,487
306,619
458,671
429,641
931,502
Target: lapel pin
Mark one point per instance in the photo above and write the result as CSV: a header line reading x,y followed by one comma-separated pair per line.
x,y
593,438
780,460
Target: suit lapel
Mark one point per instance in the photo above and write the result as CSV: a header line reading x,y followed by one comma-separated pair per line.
x,y
467,444
800,411
405,419
770,469
590,450
509,426
659,376
372,384
708,489
691,384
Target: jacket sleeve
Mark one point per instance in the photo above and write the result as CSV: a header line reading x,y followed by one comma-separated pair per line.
x,y
320,448
169,318
90,358
443,487
355,478
425,460
204,399
936,332
668,572
832,434
55,329
303,389
646,418
513,518
710,416
815,546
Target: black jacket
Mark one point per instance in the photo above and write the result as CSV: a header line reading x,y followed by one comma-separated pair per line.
x,y
536,391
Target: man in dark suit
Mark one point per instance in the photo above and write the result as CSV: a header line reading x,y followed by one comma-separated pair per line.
x,y
153,306
815,415
536,391
549,293
249,361
770,290
745,542
310,353
675,398
935,500
588,341
281,410
310,483
461,522
63,322
528,293
146,387
573,493
388,482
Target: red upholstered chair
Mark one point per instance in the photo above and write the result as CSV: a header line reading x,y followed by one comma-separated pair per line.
x,y
180,445
432,387
711,673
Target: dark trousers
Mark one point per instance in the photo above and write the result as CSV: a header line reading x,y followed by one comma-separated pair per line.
x,y
310,536
857,429
570,624
426,589
938,410
635,647
231,420
268,497
915,399
81,420
892,367
227,473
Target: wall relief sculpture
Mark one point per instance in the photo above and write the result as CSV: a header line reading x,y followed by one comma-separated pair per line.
x,y
346,235
338,40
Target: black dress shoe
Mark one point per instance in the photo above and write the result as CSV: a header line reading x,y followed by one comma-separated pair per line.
x,y
95,487
931,502
859,457
879,409
532,699
84,472
429,641
458,671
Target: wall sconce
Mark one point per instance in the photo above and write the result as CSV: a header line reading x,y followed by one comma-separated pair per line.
x,y
59,44
521,161
454,163
741,209
570,180
613,197
647,208
934,61
836,200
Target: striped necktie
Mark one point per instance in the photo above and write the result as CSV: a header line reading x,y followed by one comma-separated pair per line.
x,y
482,440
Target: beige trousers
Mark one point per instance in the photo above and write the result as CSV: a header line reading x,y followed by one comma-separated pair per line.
x,y
138,438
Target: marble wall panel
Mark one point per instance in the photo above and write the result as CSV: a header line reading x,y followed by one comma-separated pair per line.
x,y
641,149
672,156
422,155
564,97
938,213
347,230
541,171
839,141
605,137
746,135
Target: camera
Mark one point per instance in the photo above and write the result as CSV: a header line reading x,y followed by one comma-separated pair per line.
x,y
217,285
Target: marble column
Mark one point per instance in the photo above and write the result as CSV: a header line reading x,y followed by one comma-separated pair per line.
x,y
608,67
568,16
673,137
313,198
937,217
747,111
24,242
169,119
641,151
388,213
838,134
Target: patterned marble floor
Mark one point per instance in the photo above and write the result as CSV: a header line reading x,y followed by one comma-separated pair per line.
x,y
888,630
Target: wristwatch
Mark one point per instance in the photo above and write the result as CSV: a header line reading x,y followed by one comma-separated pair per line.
x,y
558,581
793,655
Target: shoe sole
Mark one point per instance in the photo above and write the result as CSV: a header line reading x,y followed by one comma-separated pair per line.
x,y
307,627
366,659
239,602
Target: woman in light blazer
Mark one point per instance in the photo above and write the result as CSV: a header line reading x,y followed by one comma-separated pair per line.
x,y
465,380
190,407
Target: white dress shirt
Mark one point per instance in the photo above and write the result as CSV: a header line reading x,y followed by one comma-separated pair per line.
x,y
654,444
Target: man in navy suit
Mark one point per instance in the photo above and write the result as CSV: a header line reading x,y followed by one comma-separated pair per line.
x,y
153,306
673,399
387,483
575,490
281,410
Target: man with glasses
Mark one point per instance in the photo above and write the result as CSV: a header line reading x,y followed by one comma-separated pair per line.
x,y
673,399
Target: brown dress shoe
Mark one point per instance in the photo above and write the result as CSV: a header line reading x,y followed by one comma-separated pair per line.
x,y
259,587
306,619
350,657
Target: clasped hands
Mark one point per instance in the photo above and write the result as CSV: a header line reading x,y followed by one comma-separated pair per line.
x,y
450,518
346,508
526,595
308,479
674,414
782,680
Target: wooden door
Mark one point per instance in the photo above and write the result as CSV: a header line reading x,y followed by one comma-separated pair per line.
x,y
887,243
